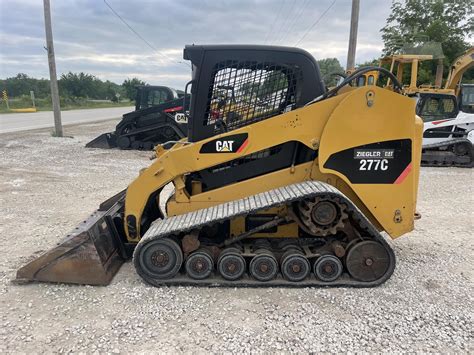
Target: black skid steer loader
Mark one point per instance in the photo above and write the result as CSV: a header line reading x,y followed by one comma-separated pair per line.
x,y
158,118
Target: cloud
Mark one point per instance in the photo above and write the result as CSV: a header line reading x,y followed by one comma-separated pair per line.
x,y
89,38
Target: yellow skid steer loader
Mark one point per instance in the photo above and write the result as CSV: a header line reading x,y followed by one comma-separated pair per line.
x,y
284,183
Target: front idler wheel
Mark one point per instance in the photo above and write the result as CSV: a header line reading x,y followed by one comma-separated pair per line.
x,y
161,259
123,142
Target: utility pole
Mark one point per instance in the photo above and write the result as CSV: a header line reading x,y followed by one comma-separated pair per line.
x,y
353,35
58,128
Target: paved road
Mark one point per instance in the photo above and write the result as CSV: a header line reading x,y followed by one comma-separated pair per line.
x,y
14,122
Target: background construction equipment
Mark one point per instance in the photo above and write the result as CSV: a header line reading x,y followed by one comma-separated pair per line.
x,y
158,118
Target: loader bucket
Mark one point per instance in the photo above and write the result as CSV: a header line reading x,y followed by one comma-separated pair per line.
x,y
88,255
104,141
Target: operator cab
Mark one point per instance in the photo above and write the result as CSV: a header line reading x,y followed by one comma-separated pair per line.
x,y
236,85
150,96
433,107
466,103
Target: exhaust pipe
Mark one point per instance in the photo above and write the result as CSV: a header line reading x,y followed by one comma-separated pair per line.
x,y
91,254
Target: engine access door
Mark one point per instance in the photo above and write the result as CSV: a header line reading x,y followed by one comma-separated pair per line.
x,y
372,142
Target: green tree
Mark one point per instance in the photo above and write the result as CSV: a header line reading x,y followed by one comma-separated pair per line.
x,y
129,87
369,63
329,66
419,22
77,85
88,86
110,90
71,85
22,84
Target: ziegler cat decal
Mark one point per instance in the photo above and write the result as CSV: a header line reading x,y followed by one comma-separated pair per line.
x,y
386,162
230,144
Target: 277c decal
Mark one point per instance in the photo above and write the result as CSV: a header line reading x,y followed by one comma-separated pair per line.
x,y
373,159
387,162
371,164
234,143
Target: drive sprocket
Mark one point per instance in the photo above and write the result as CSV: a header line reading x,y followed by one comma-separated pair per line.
x,y
322,216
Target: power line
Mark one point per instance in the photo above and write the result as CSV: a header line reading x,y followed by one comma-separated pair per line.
x,y
288,19
141,37
267,37
295,19
316,22
285,20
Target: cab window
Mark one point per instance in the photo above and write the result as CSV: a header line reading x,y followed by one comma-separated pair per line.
x,y
436,108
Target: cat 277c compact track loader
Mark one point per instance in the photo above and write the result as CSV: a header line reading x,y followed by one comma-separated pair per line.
x,y
284,184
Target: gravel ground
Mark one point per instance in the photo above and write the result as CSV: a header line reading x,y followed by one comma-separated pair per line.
x,y
48,184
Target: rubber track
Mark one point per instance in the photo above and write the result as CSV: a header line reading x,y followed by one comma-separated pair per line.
x,y
446,144
187,222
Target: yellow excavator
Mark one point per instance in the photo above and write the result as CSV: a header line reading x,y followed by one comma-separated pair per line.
x,y
460,65
285,184
368,78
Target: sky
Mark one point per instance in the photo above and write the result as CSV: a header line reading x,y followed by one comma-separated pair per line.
x,y
88,37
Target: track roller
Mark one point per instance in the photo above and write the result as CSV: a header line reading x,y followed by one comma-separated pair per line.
x,y
263,266
161,258
294,265
328,268
136,145
231,264
367,261
199,265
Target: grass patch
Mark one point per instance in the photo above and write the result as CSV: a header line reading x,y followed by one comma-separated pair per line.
x,y
66,104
